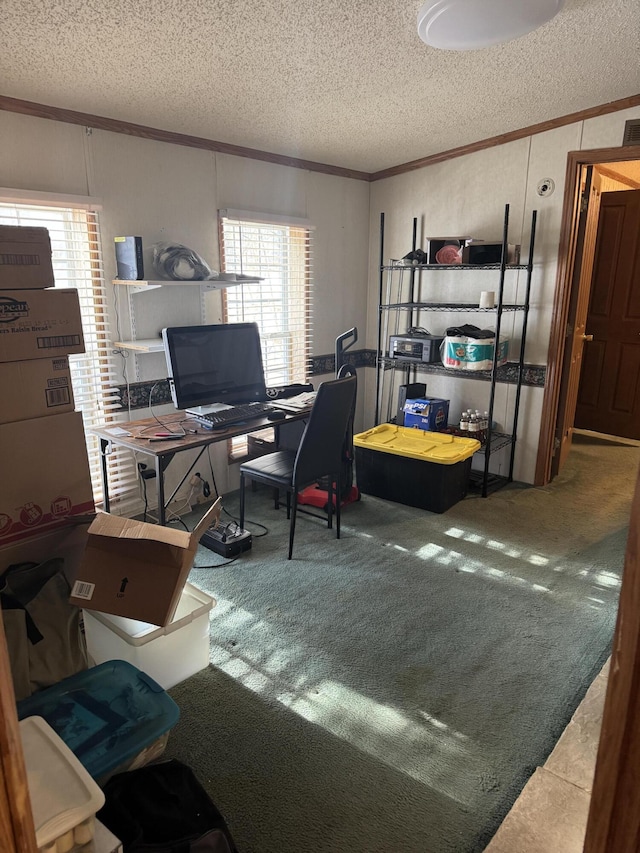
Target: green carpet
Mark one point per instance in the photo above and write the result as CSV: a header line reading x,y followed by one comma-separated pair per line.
x,y
394,690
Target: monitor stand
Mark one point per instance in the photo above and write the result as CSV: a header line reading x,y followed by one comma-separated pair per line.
x,y
208,410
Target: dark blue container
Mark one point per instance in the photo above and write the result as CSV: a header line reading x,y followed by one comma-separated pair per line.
x,y
113,717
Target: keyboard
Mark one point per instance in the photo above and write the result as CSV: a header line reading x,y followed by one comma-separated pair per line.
x,y
233,415
298,403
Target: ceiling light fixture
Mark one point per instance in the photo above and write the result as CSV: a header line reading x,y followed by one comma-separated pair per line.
x,y
474,24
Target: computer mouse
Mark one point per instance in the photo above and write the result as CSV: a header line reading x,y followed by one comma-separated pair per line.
x,y
276,415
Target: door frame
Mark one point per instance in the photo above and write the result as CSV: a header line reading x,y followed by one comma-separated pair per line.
x,y
586,229
565,284
17,832
613,824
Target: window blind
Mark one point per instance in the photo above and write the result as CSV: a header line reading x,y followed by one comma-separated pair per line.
x,y
77,263
282,255
280,252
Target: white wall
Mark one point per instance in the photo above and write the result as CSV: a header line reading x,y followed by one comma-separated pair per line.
x,y
466,196
162,191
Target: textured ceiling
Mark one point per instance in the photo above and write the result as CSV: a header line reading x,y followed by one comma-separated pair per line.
x,y
342,82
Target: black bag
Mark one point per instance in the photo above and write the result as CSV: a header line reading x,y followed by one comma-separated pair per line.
x,y
162,808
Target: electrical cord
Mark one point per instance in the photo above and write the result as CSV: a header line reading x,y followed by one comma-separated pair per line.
x,y
189,420
124,355
148,514
171,515
167,427
146,499
217,565
213,476
247,522
180,521
226,511
206,488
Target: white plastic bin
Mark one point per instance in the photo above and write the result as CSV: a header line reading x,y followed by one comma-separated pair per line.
x,y
169,654
64,797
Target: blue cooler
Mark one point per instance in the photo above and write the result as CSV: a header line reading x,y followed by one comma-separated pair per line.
x,y
113,717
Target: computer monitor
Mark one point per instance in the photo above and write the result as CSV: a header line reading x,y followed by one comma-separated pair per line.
x,y
213,365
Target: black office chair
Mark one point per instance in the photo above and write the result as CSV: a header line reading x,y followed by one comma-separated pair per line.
x,y
319,454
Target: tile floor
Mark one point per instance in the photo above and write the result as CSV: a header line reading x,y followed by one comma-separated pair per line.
x,y
550,815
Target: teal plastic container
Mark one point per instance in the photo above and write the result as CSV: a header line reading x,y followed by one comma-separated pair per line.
x,y
113,717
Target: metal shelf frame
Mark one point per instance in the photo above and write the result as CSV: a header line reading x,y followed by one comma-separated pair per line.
x,y
396,265
486,481
449,307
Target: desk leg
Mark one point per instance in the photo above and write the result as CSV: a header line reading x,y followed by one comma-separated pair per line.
x,y
104,443
160,466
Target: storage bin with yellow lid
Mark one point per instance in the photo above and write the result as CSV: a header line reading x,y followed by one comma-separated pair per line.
x,y
429,470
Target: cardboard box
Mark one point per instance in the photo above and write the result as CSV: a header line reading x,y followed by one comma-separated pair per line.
x,y
67,542
25,258
138,570
39,324
431,414
34,389
44,471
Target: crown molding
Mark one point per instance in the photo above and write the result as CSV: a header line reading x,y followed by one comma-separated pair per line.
x,y
16,105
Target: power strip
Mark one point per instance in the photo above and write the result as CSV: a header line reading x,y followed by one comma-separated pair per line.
x,y
228,540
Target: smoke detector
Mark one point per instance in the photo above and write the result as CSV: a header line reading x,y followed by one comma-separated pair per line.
x,y
546,186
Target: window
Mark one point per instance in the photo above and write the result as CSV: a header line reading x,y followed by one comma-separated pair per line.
x,y
278,250
77,263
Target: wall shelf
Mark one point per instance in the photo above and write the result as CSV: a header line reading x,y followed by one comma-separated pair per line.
x,y
148,345
213,284
155,345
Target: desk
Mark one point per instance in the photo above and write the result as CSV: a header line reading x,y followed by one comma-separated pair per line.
x,y
162,452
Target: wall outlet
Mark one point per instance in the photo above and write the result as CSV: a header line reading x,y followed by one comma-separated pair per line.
x,y
195,490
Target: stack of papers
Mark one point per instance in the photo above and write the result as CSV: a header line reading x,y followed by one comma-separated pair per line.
x,y
298,403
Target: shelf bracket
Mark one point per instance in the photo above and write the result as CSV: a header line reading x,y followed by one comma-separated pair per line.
x,y
136,288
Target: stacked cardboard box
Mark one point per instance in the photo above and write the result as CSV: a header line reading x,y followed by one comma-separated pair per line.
x,y
116,565
44,469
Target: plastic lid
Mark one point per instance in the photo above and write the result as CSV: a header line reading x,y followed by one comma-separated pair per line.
x,y
106,715
193,603
440,447
62,793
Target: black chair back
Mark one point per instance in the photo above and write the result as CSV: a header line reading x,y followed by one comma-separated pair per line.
x,y
322,444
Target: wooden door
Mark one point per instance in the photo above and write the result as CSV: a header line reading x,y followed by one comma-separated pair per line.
x,y
609,395
587,227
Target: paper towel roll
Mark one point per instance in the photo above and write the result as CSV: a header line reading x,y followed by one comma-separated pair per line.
x,y
487,299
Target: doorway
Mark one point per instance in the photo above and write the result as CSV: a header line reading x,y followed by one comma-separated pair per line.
x,y
615,792
590,176
608,401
